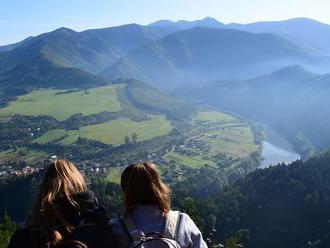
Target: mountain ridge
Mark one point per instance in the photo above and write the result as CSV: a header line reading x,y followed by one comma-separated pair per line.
x,y
207,54
310,33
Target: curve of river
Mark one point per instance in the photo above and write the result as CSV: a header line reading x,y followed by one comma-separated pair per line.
x,y
276,149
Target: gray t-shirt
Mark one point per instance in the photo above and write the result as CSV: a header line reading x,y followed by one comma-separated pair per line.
x,y
149,218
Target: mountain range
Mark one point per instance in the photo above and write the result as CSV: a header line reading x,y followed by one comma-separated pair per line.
x,y
213,63
91,50
308,33
206,54
167,54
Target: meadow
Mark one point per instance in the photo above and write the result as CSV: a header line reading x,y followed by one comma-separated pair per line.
x,y
214,117
62,104
111,132
23,154
194,162
114,131
225,134
214,133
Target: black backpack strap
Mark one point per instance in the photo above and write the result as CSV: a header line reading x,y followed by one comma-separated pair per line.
x,y
135,234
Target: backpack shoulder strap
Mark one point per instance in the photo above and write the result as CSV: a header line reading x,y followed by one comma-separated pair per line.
x,y
132,230
172,223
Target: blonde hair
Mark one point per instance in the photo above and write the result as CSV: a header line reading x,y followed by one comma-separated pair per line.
x,y
60,181
143,185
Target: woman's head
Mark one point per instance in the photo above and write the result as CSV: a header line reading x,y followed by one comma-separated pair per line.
x,y
142,185
60,181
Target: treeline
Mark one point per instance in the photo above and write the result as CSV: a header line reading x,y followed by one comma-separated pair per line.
x,y
283,206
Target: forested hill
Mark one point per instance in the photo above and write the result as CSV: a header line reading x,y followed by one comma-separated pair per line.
x,y
282,206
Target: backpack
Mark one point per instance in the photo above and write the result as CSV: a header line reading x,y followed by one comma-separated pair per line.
x,y
167,239
81,237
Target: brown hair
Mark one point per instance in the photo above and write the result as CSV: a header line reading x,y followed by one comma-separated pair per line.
x,y
143,185
60,181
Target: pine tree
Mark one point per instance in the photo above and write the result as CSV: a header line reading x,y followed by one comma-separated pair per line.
x,y
127,140
134,138
7,229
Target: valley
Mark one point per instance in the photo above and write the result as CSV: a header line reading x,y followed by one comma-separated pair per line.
x,y
235,117
104,128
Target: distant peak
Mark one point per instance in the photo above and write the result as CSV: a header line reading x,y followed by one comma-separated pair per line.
x,y
208,18
162,23
302,19
64,29
207,21
292,71
292,68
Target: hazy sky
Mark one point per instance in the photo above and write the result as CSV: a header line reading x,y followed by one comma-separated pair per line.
x,y
22,18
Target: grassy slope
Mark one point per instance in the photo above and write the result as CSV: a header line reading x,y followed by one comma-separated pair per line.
x,y
111,132
214,116
61,135
191,161
63,105
223,133
232,137
23,154
114,174
146,97
114,132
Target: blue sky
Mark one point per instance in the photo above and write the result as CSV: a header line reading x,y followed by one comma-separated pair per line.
x,y
22,18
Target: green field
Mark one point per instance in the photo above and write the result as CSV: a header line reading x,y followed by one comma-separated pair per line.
x,y
114,174
214,133
226,134
233,141
24,154
111,132
214,116
60,135
61,105
114,132
51,136
188,161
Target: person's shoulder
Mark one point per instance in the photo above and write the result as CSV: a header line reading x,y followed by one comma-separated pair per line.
x,y
185,217
117,225
186,222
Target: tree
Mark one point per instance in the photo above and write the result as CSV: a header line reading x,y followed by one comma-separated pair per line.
x,y
7,229
127,140
211,221
134,138
191,210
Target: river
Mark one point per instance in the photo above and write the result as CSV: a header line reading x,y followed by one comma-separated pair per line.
x,y
276,149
